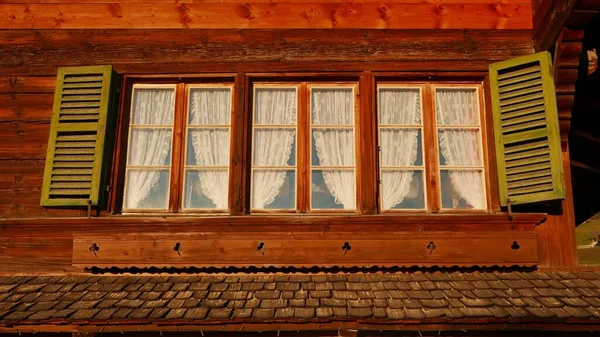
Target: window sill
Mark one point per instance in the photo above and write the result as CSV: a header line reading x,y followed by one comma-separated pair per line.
x,y
295,222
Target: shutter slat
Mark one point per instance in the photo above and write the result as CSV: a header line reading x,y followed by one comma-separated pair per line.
x,y
545,180
509,88
65,144
519,79
72,177
71,185
79,118
526,146
523,119
522,106
521,92
527,161
84,85
84,164
531,189
518,113
520,99
77,157
72,171
83,191
524,71
81,98
519,155
96,78
82,91
528,149
95,104
532,174
529,168
84,111
525,126
76,138
77,150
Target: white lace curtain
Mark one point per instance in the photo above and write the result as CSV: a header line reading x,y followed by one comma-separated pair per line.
x,y
211,145
398,146
335,147
459,147
148,146
272,147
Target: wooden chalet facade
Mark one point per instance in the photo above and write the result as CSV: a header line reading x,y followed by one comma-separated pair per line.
x,y
331,168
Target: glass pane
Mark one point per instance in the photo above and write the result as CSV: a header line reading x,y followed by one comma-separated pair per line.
x,y
332,106
149,147
401,147
457,107
459,147
333,189
275,106
153,106
147,189
206,189
210,106
462,189
274,147
402,189
399,106
332,147
273,189
208,147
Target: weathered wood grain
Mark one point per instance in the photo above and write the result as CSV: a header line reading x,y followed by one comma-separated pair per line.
x,y
464,15
157,48
25,108
27,85
23,140
21,174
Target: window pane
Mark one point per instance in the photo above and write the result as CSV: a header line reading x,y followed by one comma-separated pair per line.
x,y
153,106
274,147
399,106
147,189
459,147
210,106
462,189
208,147
276,106
332,106
401,147
332,147
333,189
206,189
402,189
273,189
457,107
149,147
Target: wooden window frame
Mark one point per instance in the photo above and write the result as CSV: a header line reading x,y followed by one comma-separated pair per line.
x,y
366,133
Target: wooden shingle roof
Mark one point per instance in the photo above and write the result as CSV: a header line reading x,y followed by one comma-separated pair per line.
x,y
378,298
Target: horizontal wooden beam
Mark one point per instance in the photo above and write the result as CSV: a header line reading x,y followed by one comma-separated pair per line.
x,y
28,52
454,15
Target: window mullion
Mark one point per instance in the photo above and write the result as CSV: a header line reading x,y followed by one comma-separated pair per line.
x,y
431,151
303,149
178,153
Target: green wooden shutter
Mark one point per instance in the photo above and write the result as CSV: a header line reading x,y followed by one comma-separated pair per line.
x,y
79,150
526,130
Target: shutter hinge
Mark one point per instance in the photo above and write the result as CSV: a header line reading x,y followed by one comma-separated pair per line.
x,y
509,205
107,188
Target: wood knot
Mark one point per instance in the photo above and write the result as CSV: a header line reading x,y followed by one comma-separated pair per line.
x,y
248,12
115,10
184,15
440,10
384,13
